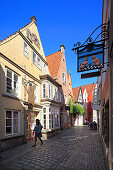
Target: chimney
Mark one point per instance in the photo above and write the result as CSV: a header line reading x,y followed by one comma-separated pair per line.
x,y
33,18
62,47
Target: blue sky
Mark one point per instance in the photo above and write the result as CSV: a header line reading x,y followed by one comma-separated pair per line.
x,y
59,22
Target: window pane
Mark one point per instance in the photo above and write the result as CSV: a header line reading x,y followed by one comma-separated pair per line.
x,y
15,122
8,114
9,74
8,130
8,122
15,77
9,82
44,110
15,129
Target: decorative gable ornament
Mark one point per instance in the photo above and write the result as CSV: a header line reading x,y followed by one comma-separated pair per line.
x,y
33,38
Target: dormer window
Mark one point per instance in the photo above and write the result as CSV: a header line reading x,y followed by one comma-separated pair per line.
x,y
25,49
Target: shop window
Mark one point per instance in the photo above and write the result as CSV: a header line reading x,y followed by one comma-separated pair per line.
x,y
12,83
12,122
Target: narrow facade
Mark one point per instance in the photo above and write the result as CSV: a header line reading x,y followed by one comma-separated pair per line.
x,y
58,70
84,96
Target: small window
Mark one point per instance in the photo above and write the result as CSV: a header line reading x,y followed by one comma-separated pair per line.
x,y
12,122
45,69
25,49
35,94
49,91
12,83
39,62
34,58
44,91
63,78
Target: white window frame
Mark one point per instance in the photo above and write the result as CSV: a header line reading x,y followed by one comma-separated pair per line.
x,y
12,122
65,99
12,81
39,62
42,91
64,78
35,93
49,91
44,114
34,61
25,50
44,68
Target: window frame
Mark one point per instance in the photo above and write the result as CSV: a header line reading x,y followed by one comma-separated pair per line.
x,y
12,122
44,114
12,83
43,91
24,42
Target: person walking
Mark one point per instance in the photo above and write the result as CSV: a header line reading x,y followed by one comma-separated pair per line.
x,y
37,131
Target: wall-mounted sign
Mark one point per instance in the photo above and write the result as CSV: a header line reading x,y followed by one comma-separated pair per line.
x,y
90,57
33,38
89,75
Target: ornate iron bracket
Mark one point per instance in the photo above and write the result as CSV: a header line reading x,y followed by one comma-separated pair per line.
x,y
104,35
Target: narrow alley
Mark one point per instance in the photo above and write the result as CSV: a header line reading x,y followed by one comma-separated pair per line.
x,y
77,148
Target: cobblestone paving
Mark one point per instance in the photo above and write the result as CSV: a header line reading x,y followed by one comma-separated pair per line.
x,y
76,148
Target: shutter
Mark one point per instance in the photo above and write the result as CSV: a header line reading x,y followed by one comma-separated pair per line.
x,y
31,95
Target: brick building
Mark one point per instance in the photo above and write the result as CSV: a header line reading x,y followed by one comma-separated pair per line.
x,y
58,70
84,96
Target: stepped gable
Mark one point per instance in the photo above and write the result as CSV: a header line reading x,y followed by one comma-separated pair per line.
x,y
54,61
89,89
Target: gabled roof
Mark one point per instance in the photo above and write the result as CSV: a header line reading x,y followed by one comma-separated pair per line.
x,y
75,93
54,61
89,88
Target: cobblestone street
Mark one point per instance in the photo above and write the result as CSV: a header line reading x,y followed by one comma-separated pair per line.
x,y
75,148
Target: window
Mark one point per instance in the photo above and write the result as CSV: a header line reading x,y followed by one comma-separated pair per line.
x,y
44,91
49,90
12,83
44,118
52,92
25,49
35,94
63,78
39,62
34,58
12,122
49,118
45,69
65,99
56,118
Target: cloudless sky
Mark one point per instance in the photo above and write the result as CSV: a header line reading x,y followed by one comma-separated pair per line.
x,y
59,22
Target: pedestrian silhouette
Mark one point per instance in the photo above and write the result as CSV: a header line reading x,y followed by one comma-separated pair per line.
x,y
38,133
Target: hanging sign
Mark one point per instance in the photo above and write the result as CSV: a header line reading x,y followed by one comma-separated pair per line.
x,y
90,57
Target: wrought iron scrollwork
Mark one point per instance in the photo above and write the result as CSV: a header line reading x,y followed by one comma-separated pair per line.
x,y
104,34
